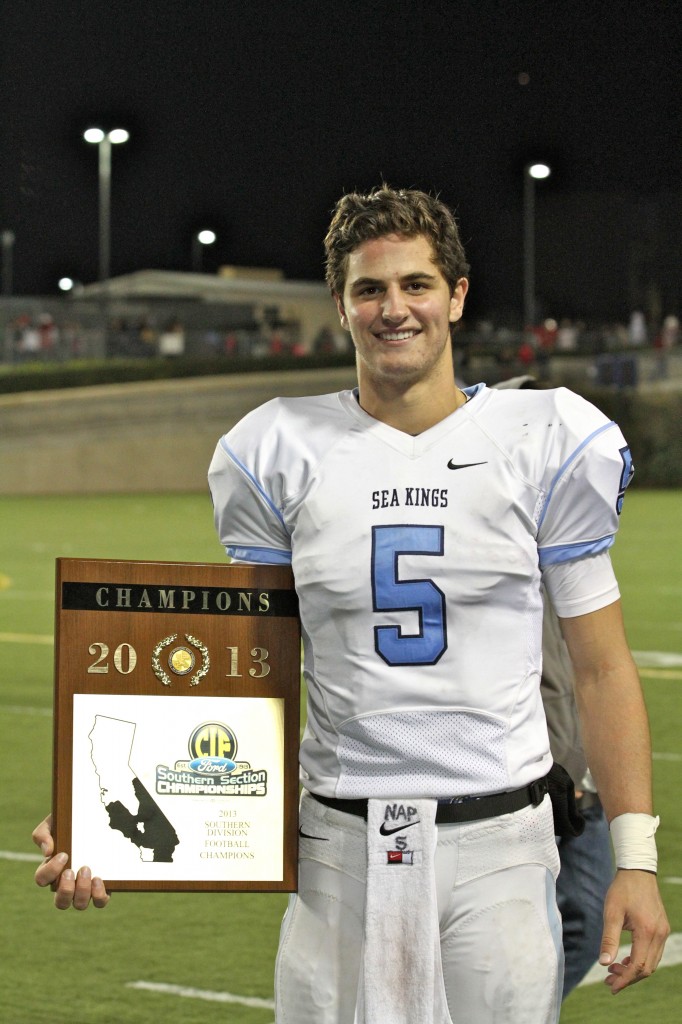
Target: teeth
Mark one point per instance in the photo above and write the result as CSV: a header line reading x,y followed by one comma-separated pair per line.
x,y
397,335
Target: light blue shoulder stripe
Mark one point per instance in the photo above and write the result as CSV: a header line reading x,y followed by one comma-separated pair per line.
x,y
269,556
572,552
571,458
266,497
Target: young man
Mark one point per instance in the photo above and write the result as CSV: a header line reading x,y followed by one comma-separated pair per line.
x,y
420,520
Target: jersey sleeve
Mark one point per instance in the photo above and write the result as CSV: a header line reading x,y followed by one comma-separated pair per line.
x,y
588,473
582,586
246,494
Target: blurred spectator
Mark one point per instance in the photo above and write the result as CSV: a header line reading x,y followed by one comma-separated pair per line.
x,y
324,341
665,340
72,345
29,345
172,340
526,353
121,339
545,335
485,330
15,331
566,336
146,339
637,332
611,339
49,335
276,346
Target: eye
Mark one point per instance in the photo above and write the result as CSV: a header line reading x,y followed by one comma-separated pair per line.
x,y
417,286
368,290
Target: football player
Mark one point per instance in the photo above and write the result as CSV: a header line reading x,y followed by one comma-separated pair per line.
x,y
420,521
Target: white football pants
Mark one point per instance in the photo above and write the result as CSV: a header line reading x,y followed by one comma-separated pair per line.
x,y
500,929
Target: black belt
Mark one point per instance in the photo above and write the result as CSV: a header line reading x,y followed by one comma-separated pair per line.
x,y
460,808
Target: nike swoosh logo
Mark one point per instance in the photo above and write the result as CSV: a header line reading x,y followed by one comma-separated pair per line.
x,y
304,835
389,831
464,465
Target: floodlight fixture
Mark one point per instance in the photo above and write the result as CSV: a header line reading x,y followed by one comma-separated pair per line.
x,y
539,171
104,140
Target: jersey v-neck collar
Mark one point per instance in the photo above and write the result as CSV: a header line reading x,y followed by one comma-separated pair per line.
x,y
411,446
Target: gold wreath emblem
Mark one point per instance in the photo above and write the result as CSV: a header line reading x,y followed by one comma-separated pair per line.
x,y
181,661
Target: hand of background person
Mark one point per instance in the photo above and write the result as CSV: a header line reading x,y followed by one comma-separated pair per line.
x,y
73,890
633,903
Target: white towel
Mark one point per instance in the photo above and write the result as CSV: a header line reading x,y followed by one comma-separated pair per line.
x,y
401,979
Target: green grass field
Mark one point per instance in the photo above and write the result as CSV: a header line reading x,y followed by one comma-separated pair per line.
x,y
79,968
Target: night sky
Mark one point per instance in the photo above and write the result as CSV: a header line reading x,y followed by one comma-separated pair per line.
x,y
253,117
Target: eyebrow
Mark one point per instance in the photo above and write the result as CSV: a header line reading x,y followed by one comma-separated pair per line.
x,y
418,275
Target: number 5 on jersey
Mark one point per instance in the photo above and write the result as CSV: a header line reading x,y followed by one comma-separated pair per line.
x,y
390,593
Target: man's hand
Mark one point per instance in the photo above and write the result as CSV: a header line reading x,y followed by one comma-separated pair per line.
x,y
633,903
73,890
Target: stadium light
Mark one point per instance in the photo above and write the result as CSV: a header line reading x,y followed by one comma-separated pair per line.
x,y
199,239
104,141
539,171
531,174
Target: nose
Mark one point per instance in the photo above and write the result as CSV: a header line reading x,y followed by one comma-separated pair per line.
x,y
393,307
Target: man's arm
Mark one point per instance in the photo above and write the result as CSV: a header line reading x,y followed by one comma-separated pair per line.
x,y
615,731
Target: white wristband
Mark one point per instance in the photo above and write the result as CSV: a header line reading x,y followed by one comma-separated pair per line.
x,y
634,841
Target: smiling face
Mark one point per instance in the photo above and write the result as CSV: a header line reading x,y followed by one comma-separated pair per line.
x,y
398,308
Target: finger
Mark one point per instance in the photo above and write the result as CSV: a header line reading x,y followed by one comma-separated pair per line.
x,y
83,889
51,869
634,968
615,970
100,896
613,924
609,943
63,897
623,981
657,948
42,836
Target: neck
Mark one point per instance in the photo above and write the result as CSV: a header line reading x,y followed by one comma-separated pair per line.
x,y
410,409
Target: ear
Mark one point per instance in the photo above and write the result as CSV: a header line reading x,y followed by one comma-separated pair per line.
x,y
341,311
457,300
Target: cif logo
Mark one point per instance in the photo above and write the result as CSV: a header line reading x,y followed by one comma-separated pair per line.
x,y
212,747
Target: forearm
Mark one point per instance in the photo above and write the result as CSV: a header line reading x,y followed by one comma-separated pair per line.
x,y
616,738
613,715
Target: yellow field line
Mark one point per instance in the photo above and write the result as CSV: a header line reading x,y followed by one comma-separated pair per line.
x,y
26,638
660,673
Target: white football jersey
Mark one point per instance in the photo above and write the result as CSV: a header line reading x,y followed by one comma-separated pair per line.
x,y
417,563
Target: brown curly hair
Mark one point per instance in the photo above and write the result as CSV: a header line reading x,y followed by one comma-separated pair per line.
x,y
385,211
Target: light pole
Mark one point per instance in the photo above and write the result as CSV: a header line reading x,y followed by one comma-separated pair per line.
x,y
104,142
199,239
7,252
531,174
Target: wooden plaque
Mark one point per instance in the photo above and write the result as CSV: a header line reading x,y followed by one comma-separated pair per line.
x,y
176,726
